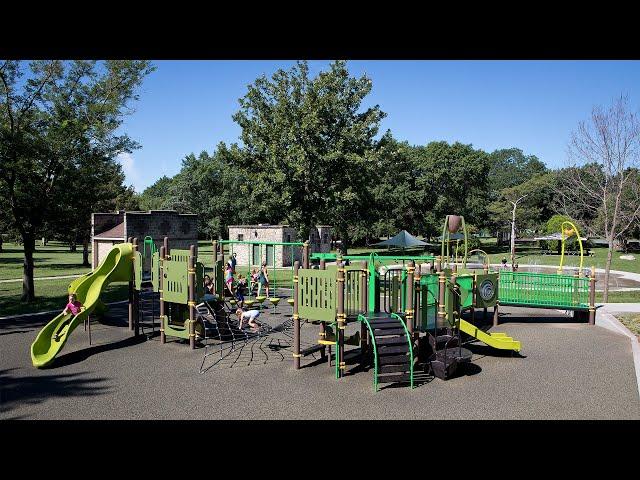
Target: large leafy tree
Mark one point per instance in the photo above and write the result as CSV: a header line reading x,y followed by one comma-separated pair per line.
x,y
94,184
535,208
210,186
155,197
53,114
451,179
510,167
309,145
397,202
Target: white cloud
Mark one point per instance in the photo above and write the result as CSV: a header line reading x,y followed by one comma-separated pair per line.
x,y
129,167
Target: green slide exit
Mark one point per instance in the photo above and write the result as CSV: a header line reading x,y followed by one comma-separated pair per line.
x,y
116,267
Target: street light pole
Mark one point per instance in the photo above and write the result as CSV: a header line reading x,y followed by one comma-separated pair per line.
x,y
513,229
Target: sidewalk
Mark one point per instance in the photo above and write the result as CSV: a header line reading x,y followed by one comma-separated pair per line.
x,y
606,319
11,280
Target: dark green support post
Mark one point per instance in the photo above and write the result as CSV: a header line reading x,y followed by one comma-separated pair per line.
x,y
485,270
305,254
296,317
442,285
323,333
136,294
374,286
341,318
592,297
364,332
409,297
160,291
192,296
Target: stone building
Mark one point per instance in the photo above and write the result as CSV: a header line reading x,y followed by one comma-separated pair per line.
x,y
254,255
108,229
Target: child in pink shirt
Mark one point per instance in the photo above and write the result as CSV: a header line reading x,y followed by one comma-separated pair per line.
x,y
74,307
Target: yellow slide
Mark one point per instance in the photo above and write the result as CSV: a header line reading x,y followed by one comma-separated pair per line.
x,y
495,340
116,267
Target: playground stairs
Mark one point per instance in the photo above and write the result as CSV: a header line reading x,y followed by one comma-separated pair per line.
x,y
448,354
148,309
393,350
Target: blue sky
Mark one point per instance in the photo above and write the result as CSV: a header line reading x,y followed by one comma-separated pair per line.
x,y
186,106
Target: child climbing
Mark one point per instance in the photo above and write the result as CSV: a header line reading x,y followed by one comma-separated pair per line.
x,y
250,316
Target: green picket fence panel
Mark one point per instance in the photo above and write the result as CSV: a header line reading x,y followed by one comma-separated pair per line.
x,y
317,294
175,283
543,290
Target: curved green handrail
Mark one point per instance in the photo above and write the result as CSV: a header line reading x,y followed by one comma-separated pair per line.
x,y
362,318
564,239
406,331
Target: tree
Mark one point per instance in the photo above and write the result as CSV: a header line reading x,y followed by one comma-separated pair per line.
x,y
209,186
309,143
156,196
602,178
451,179
53,114
535,209
396,202
510,167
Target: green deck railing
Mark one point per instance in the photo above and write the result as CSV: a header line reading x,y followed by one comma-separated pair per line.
x,y
543,290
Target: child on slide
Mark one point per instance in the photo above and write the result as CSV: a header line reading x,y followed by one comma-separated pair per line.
x,y
73,307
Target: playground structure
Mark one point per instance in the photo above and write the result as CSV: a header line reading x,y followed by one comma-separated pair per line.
x,y
174,275
410,319
413,316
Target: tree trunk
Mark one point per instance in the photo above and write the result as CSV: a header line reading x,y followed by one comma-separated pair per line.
x,y
0,243
607,268
85,252
29,242
72,247
344,244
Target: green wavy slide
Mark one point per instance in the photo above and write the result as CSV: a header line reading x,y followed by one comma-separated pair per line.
x,y
116,267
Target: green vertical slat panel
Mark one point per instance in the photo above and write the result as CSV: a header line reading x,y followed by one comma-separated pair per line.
x,y
137,270
316,300
155,270
199,280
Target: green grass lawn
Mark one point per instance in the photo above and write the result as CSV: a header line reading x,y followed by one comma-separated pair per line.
x,y
50,295
56,260
53,260
631,321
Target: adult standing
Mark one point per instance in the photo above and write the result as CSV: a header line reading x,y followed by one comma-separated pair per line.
x,y
263,279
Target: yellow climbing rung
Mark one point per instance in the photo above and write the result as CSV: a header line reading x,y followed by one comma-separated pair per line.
x,y
326,342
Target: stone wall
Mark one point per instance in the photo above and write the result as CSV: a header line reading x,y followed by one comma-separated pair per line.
x,y
181,228
254,255
319,240
101,222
